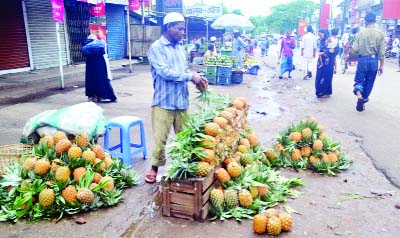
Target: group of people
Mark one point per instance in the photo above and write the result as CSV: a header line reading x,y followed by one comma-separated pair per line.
x,y
368,45
171,74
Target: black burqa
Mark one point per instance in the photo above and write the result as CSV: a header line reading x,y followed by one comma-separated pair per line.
x,y
97,84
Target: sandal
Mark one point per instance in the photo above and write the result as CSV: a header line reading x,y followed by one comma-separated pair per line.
x,y
151,177
360,105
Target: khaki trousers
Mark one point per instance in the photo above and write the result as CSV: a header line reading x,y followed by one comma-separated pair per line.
x,y
162,121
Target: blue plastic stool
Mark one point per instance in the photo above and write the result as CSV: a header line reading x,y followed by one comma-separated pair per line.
x,y
125,145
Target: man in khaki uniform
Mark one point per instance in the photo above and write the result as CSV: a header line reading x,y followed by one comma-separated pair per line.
x,y
369,45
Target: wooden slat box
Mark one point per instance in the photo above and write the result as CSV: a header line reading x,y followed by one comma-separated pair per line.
x,y
187,198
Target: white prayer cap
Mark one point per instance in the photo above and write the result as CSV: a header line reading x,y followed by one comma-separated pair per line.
x,y
213,38
92,37
173,17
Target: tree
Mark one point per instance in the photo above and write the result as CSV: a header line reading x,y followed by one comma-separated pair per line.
x,y
259,23
285,16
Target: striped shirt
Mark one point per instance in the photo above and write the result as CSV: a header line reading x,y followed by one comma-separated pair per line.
x,y
170,72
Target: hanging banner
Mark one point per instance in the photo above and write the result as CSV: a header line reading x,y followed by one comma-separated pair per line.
x,y
324,16
173,6
301,29
134,5
97,22
58,10
391,9
119,2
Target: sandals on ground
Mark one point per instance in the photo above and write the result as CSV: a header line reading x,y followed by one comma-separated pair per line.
x,y
151,177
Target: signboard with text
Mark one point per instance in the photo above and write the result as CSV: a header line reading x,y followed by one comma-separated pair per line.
x,y
173,5
58,10
203,11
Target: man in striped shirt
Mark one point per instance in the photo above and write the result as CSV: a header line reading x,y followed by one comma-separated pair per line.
x,y
170,72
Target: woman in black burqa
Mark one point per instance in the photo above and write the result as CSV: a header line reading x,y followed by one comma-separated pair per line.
x,y
97,83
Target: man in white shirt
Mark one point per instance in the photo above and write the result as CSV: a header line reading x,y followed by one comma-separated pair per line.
x,y
308,47
345,37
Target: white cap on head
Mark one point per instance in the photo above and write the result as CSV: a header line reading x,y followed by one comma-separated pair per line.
x,y
173,17
213,38
235,31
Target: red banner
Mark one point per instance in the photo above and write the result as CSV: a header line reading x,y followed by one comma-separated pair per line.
x,y
324,16
98,9
134,5
58,10
99,31
391,9
301,29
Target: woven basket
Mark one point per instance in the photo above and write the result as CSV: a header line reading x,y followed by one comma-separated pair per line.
x,y
10,153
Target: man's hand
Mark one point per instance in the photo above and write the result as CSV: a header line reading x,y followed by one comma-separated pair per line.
x,y
200,82
380,70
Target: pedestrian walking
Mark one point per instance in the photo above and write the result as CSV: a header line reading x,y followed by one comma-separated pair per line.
x,y
286,52
238,46
171,75
264,44
325,65
97,79
308,47
369,45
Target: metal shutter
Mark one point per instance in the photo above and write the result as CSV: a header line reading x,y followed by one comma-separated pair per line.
x,y
13,44
42,33
116,31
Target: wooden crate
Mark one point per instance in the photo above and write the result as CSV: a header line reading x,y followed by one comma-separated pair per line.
x,y
187,198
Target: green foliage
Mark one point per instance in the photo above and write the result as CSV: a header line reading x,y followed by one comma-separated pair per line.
x,y
285,16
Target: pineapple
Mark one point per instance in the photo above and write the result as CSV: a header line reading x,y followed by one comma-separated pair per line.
x,y
295,136
271,212
253,139
238,104
286,221
203,169
110,183
306,151
260,224
62,174
246,159
262,190
48,140
296,155
42,167
99,151
322,136
29,163
211,129
74,152
55,164
25,183
244,100
306,133
231,198
82,140
313,119
270,155
254,192
108,161
96,178
227,115
208,155
325,158
332,157
234,169
85,195
99,164
62,146
318,145
279,147
208,142
274,226
222,122
242,149
314,160
217,197
232,110
245,142
79,173
245,198
46,197
70,194
89,156
59,135
222,175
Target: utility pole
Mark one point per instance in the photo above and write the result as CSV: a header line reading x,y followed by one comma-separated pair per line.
x,y
344,16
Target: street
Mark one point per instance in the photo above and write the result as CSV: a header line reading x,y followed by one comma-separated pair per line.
x,y
359,202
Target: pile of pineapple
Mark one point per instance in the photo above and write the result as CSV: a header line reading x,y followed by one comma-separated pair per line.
x,y
305,145
272,221
62,176
218,138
